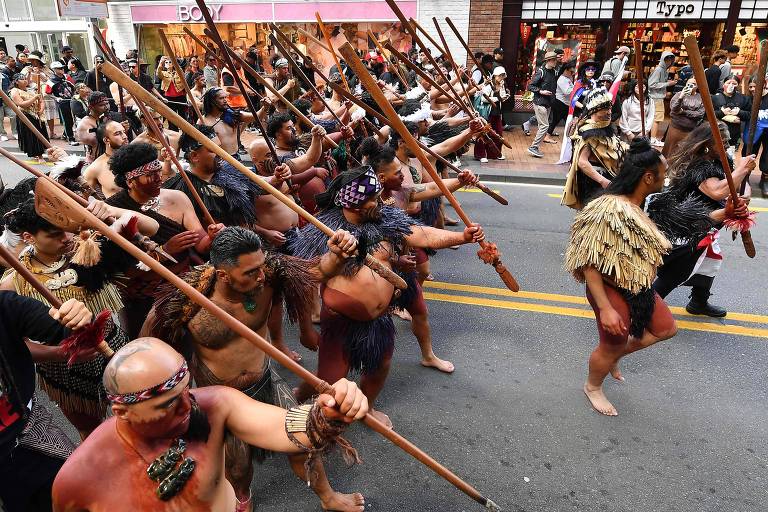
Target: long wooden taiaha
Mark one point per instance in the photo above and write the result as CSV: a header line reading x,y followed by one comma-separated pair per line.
x,y
158,132
641,88
117,75
395,122
694,59
77,214
757,97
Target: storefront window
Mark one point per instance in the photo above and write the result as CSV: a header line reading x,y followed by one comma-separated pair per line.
x,y
754,10
17,10
43,10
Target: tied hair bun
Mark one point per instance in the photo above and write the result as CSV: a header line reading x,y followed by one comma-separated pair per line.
x,y
370,147
640,145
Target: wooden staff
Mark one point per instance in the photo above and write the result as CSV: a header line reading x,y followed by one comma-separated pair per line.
x,y
639,77
318,42
757,97
466,46
443,50
327,38
120,89
180,73
391,65
24,119
694,58
59,209
383,119
488,251
154,128
248,69
139,92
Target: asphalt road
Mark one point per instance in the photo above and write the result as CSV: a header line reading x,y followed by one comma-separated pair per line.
x,y
512,420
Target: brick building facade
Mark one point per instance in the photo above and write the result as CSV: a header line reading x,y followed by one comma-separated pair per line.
x,y
485,24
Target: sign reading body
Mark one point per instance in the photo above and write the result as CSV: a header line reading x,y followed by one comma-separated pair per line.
x,y
672,9
193,13
82,8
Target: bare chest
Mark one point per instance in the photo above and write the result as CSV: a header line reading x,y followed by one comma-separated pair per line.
x,y
210,332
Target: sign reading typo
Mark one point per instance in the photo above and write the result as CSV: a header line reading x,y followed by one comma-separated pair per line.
x,y
674,10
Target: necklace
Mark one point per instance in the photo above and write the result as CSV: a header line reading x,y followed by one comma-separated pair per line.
x,y
248,302
49,269
168,468
153,205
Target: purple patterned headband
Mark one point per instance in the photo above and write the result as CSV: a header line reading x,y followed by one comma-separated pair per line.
x,y
357,191
148,168
140,396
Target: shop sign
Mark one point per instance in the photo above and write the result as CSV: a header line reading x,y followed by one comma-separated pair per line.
x,y
82,8
193,13
674,10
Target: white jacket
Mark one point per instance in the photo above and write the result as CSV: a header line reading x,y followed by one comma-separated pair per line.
x,y
630,116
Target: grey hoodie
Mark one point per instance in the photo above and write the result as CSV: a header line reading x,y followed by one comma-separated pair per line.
x,y
657,82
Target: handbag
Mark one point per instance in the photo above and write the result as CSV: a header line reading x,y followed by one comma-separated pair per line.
x,y
483,108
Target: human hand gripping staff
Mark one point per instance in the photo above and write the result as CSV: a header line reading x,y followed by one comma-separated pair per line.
x,y
488,252
61,210
139,92
740,224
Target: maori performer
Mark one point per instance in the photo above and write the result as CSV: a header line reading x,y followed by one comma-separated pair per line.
x,y
110,136
695,170
223,119
357,332
287,86
163,448
85,133
394,193
597,151
148,136
246,281
137,172
228,195
32,447
615,249
87,274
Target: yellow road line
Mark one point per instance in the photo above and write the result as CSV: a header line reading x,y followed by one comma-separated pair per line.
x,y
558,196
570,299
584,313
758,208
474,190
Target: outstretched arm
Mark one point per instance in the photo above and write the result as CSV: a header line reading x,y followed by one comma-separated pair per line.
x,y
308,159
432,238
431,189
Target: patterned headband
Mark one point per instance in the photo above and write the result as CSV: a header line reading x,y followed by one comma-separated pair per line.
x,y
357,191
141,396
148,168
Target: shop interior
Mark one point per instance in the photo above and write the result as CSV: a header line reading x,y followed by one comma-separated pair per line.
x,y
242,35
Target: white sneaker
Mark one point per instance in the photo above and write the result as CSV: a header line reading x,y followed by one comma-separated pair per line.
x,y
483,160
501,157
3,138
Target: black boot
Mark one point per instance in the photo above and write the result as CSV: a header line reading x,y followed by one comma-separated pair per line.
x,y
699,303
764,184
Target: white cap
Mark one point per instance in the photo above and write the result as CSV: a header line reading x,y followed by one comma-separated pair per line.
x,y
499,70
56,65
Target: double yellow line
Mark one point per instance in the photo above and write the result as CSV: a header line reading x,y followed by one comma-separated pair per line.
x,y
550,303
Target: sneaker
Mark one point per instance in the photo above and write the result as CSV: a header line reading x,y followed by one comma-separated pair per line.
x,y
3,138
535,152
526,128
555,134
242,151
508,127
501,157
73,142
457,162
483,160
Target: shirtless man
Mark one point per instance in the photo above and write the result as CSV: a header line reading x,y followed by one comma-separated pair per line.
x,y
357,330
98,174
137,171
244,280
154,409
218,115
98,105
391,174
285,85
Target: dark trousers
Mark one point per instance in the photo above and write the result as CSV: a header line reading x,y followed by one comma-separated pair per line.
x,y
26,478
179,105
65,111
558,113
484,149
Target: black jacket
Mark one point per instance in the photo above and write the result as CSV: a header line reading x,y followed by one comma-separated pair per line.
x,y
713,78
543,80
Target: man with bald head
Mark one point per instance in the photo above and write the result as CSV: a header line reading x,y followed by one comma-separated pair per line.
x,y
160,425
110,136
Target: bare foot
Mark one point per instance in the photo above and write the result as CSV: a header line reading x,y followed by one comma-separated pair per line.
x,y
344,502
402,314
285,350
439,364
599,402
616,372
381,417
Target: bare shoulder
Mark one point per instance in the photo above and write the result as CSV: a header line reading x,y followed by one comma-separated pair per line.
x,y
175,197
98,455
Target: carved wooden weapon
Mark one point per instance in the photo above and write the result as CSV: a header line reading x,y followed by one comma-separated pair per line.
x,y
488,251
639,77
741,225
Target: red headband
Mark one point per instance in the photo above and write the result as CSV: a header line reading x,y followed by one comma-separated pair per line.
x,y
140,396
148,168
